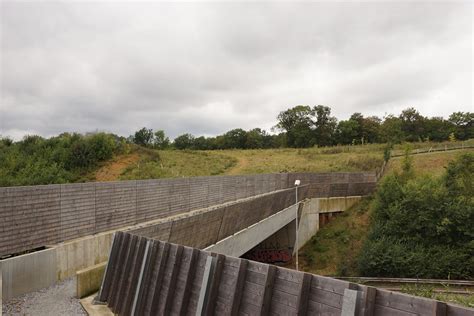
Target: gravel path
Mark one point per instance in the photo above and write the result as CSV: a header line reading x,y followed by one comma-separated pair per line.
x,y
57,300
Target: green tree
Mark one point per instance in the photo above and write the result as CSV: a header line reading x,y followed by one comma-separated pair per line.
x,y
463,124
412,125
143,137
347,132
324,125
185,141
160,140
235,138
391,130
298,124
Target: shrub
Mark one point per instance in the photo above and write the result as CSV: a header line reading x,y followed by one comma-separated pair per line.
x,y
422,227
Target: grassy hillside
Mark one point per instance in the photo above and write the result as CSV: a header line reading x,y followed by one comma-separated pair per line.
x,y
173,163
185,163
427,164
334,249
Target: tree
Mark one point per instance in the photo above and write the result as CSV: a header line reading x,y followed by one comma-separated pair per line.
x,y
235,138
391,130
185,141
412,125
347,132
298,124
256,138
438,129
161,141
143,137
371,129
463,124
324,126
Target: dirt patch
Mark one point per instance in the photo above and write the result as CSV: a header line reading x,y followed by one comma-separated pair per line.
x,y
113,169
240,166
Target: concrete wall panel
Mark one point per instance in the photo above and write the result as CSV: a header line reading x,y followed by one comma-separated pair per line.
x,y
338,189
77,210
152,200
198,193
116,204
30,217
160,231
28,273
179,196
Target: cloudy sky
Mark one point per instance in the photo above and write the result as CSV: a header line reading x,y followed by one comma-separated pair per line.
x,y
206,68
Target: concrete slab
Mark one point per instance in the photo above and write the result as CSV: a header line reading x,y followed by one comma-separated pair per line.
x,y
90,279
95,310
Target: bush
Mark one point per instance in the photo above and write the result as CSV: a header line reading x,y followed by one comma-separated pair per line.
x,y
422,227
64,158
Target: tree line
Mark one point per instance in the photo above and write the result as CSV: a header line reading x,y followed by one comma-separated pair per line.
x,y
304,126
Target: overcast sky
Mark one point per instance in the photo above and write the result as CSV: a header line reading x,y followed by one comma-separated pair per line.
x,y
206,68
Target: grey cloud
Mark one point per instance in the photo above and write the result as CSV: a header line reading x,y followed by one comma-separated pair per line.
x,y
204,68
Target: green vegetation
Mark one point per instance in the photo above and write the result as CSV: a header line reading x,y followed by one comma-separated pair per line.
x,y
62,159
423,226
171,164
429,292
335,248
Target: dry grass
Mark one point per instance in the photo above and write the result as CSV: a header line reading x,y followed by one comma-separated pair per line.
x,y
188,163
429,163
304,160
174,164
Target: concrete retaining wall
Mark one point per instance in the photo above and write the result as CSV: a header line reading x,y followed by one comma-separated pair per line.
x,y
200,228
28,273
37,216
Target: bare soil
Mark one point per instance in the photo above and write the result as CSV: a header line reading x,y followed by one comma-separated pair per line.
x,y
113,169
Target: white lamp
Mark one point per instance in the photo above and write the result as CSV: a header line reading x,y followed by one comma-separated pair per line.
x,y
297,183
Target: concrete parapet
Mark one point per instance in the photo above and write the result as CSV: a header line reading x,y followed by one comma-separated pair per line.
x,y
29,272
336,204
244,240
89,279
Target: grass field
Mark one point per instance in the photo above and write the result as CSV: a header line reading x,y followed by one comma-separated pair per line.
x,y
427,163
173,164
188,163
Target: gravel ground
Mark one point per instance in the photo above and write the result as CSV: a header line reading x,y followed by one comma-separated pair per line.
x,y
56,300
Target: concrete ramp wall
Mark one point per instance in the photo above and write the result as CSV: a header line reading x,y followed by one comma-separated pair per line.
x,y
37,216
